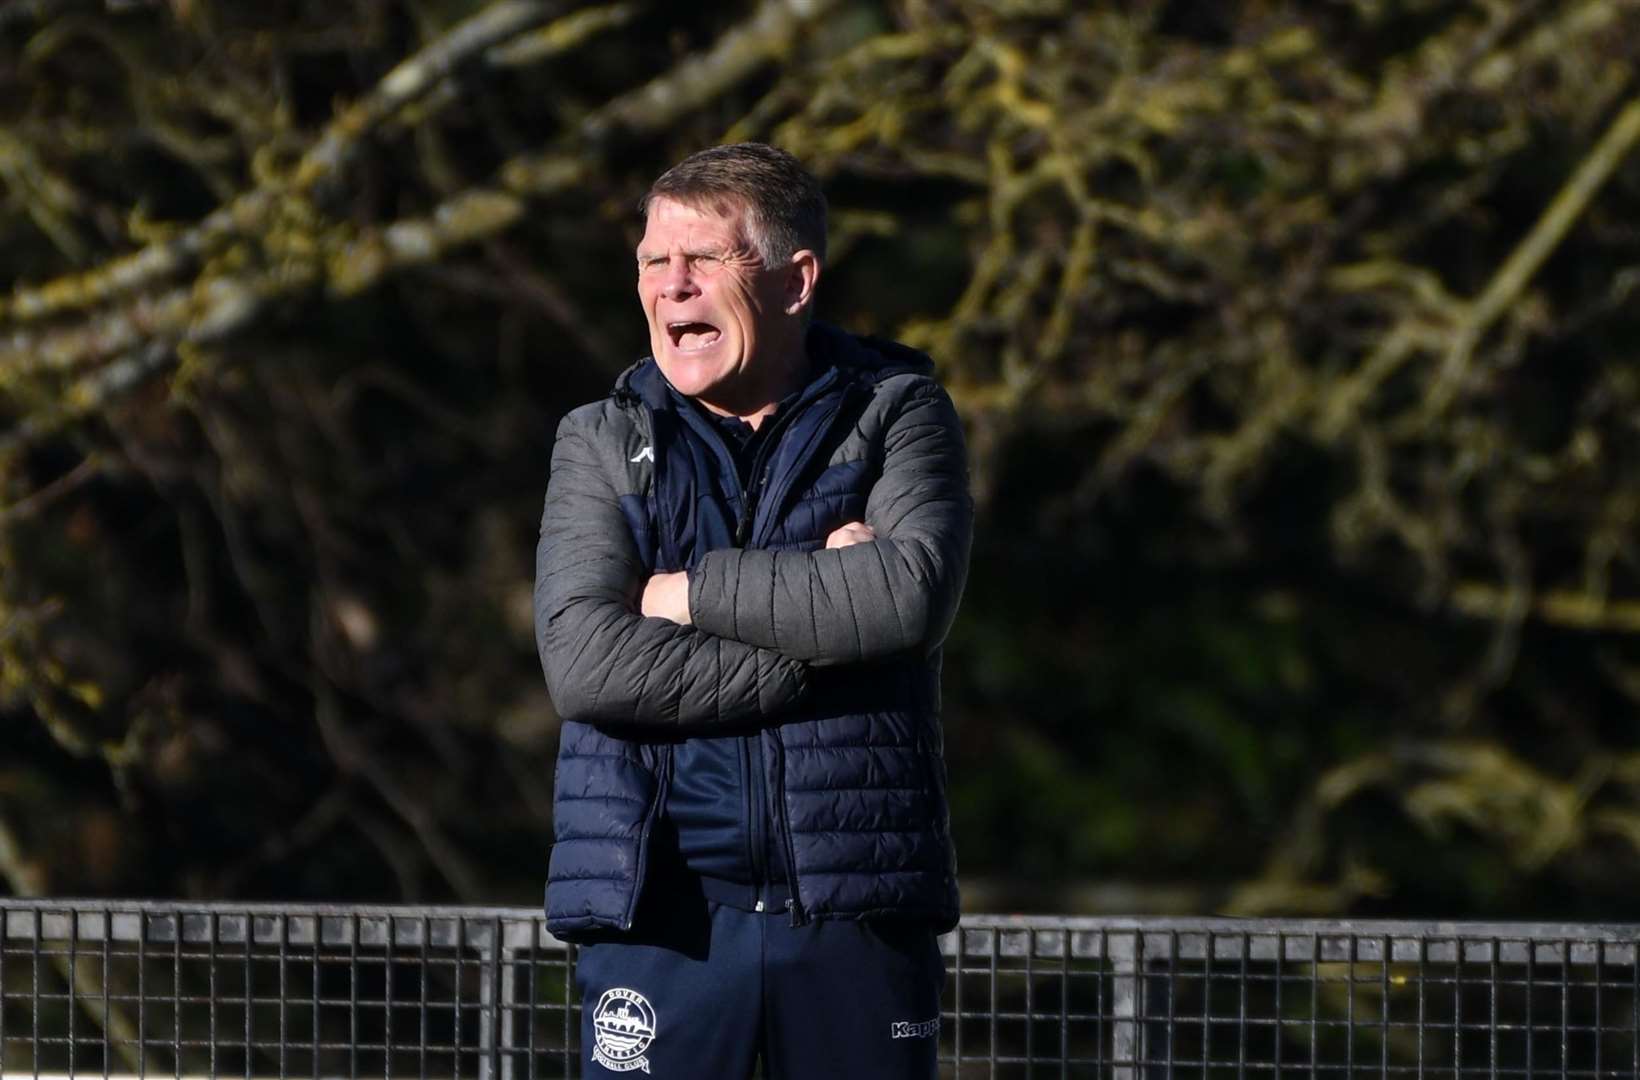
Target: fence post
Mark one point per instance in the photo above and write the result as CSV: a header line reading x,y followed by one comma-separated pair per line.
x,y
507,956
489,953
1127,1043
498,998
1138,1012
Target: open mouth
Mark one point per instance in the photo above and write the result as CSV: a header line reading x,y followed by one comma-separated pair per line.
x,y
689,336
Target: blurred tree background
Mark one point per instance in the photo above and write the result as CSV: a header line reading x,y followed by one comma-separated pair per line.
x,y
1297,343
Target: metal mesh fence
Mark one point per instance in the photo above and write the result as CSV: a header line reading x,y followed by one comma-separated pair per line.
x,y
1232,998
99,989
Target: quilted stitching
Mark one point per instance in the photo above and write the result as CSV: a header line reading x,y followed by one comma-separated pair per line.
x,y
898,464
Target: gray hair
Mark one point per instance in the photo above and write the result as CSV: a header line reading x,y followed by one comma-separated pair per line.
x,y
784,206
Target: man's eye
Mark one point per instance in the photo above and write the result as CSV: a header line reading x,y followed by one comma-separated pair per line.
x,y
707,262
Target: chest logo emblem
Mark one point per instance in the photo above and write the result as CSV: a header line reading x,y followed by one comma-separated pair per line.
x,y
623,1026
646,454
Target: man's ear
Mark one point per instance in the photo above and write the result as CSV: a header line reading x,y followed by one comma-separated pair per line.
x,y
802,275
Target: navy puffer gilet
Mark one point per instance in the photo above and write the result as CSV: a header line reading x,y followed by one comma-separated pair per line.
x,y
830,658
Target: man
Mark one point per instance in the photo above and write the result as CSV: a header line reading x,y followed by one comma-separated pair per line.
x,y
749,556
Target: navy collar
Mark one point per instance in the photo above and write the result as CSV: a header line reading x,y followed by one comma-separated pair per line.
x,y
738,430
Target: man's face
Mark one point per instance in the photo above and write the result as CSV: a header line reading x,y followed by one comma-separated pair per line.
x,y
719,324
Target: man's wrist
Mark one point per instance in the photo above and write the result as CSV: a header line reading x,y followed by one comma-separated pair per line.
x,y
666,596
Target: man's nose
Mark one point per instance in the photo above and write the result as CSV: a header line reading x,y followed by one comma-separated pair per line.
x,y
678,283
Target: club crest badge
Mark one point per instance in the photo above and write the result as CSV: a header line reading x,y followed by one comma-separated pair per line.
x,y
623,1026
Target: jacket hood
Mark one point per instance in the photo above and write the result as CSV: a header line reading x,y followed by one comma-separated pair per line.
x,y
873,358
870,359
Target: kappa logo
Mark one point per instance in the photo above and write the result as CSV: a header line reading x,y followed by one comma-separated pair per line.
x,y
646,454
623,1026
911,1029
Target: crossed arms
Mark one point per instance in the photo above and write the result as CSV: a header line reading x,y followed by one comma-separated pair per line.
x,y
666,595
760,619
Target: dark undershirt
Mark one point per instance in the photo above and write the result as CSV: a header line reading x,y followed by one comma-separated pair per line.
x,y
743,440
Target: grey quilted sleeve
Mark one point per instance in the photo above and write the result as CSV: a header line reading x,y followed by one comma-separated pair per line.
x,y
606,664
845,605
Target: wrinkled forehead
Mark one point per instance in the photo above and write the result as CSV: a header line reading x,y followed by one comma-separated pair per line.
x,y
719,211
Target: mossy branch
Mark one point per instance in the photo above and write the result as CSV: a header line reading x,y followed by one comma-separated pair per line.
x,y
1560,607
149,330
1506,286
249,214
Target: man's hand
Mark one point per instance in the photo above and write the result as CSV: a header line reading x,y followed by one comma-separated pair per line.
x,y
666,596
853,532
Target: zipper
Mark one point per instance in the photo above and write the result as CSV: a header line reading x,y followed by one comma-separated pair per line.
x,y
760,807
751,803
662,782
783,820
759,478
776,806
748,500
758,776
753,774
756,779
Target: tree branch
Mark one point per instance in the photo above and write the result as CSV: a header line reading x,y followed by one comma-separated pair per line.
x,y
355,263
247,214
1518,269
1565,608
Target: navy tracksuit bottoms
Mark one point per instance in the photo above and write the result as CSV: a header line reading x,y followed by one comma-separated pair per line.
x,y
705,991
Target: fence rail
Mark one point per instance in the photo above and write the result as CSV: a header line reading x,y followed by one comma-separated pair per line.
x,y
91,988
